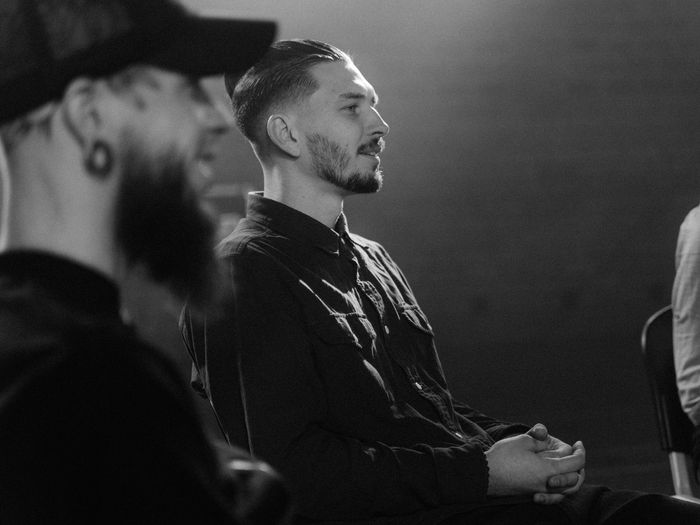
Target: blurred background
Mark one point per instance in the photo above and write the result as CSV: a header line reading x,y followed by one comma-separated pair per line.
x,y
541,158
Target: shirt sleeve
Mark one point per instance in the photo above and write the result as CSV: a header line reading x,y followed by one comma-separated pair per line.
x,y
495,428
686,315
332,476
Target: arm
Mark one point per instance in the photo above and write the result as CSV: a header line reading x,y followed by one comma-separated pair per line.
x,y
496,429
510,461
686,315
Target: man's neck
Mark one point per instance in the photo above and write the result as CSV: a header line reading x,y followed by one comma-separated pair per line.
x,y
81,249
42,216
306,194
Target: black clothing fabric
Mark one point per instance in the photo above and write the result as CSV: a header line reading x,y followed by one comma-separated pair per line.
x,y
325,366
95,425
344,393
593,505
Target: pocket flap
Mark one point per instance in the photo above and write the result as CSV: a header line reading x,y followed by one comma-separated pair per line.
x,y
413,314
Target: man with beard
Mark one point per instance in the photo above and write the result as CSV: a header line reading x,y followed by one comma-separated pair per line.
x,y
107,132
325,365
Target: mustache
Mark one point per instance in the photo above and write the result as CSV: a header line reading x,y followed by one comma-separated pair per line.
x,y
374,147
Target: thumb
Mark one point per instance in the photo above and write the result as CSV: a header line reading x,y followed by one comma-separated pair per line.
x,y
539,432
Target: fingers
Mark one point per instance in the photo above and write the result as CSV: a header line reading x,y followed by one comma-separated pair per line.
x,y
572,463
547,499
574,489
563,482
558,450
539,432
539,444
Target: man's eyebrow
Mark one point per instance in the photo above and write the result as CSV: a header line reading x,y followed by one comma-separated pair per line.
x,y
359,96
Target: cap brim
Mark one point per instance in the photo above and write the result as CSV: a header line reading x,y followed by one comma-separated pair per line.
x,y
207,46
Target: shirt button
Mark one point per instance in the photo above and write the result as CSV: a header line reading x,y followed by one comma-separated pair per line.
x,y
386,330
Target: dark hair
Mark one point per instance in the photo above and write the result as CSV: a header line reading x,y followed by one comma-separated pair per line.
x,y
281,76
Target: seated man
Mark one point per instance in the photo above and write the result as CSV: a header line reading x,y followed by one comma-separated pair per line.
x,y
106,127
686,323
324,363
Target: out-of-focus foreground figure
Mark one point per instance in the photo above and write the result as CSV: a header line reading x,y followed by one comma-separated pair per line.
x,y
107,134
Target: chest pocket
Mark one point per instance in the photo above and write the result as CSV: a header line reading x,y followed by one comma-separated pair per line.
x,y
416,339
415,317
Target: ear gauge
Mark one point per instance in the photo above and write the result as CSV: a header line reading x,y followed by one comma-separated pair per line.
x,y
99,159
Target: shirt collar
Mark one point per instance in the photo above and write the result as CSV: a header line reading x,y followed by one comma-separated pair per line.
x,y
68,281
295,224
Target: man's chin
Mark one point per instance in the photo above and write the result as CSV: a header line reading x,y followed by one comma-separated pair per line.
x,y
369,183
356,182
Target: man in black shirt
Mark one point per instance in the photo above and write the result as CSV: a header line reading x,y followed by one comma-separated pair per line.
x,y
107,130
325,364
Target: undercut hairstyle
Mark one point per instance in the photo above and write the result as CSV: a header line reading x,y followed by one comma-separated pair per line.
x,y
282,76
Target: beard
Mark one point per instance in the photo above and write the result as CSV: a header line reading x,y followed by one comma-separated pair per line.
x,y
162,227
330,161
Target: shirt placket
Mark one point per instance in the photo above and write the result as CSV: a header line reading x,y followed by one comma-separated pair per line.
x,y
417,384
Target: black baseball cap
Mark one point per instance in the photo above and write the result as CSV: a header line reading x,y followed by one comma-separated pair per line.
x,y
44,44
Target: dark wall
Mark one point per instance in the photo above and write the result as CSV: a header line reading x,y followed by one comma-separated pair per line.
x,y
541,157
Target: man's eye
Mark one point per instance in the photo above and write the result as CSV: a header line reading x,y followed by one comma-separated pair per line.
x,y
352,108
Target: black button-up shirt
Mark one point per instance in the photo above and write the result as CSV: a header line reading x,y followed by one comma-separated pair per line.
x,y
326,367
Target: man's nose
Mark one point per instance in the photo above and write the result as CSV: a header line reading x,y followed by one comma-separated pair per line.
x,y
379,125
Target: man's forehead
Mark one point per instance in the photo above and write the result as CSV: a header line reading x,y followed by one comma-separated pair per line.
x,y
341,79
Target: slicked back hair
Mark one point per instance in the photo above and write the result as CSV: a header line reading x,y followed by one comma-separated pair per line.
x,y
281,76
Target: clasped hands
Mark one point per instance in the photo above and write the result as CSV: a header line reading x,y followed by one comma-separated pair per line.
x,y
535,463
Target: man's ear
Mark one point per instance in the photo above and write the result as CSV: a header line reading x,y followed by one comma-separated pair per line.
x,y
80,112
83,118
283,134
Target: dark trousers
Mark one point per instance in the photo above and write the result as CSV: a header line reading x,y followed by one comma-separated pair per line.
x,y
592,505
